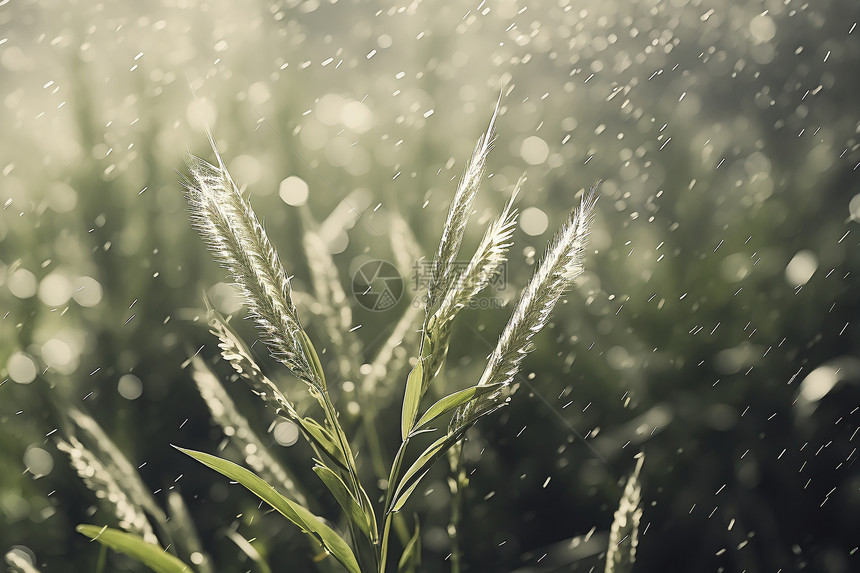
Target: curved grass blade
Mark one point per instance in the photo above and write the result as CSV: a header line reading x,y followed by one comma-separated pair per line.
x,y
401,501
451,401
411,399
322,438
365,522
410,560
248,549
150,554
300,516
424,462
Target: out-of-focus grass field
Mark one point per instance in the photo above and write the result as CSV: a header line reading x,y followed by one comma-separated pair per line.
x,y
715,329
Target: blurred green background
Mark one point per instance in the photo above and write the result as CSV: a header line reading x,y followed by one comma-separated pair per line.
x,y
715,329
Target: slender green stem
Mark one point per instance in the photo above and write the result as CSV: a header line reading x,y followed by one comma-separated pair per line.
x,y
389,500
386,529
395,474
331,414
396,467
100,564
458,482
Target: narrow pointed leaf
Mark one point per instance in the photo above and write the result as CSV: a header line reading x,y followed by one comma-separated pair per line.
x,y
300,516
323,439
410,560
245,546
411,398
427,458
150,554
401,501
371,516
344,498
451,401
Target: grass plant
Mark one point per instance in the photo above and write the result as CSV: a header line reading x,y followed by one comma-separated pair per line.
x,y
433,419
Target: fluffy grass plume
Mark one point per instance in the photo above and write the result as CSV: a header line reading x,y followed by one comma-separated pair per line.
x,y
335,311
234,235
560,266
443,270
489,256
237,354
104,483
115,462
624,535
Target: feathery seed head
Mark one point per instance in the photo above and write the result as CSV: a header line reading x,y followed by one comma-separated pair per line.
x,y
560,266
441,276
232,232
624,534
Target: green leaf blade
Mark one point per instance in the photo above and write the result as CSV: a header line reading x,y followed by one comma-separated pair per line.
x,y
322,438
345,499
403,497
411,398
451,401
422,465
410,560
150,554
300,516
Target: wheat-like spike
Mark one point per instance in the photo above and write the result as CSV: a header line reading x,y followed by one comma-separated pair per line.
x,y
489,256
458,215
335,309
234,351
115,463
624,534
103,481
561,265
228,225
275,279
226,415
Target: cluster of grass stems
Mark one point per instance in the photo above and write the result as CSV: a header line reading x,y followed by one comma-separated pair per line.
x,y
232,232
